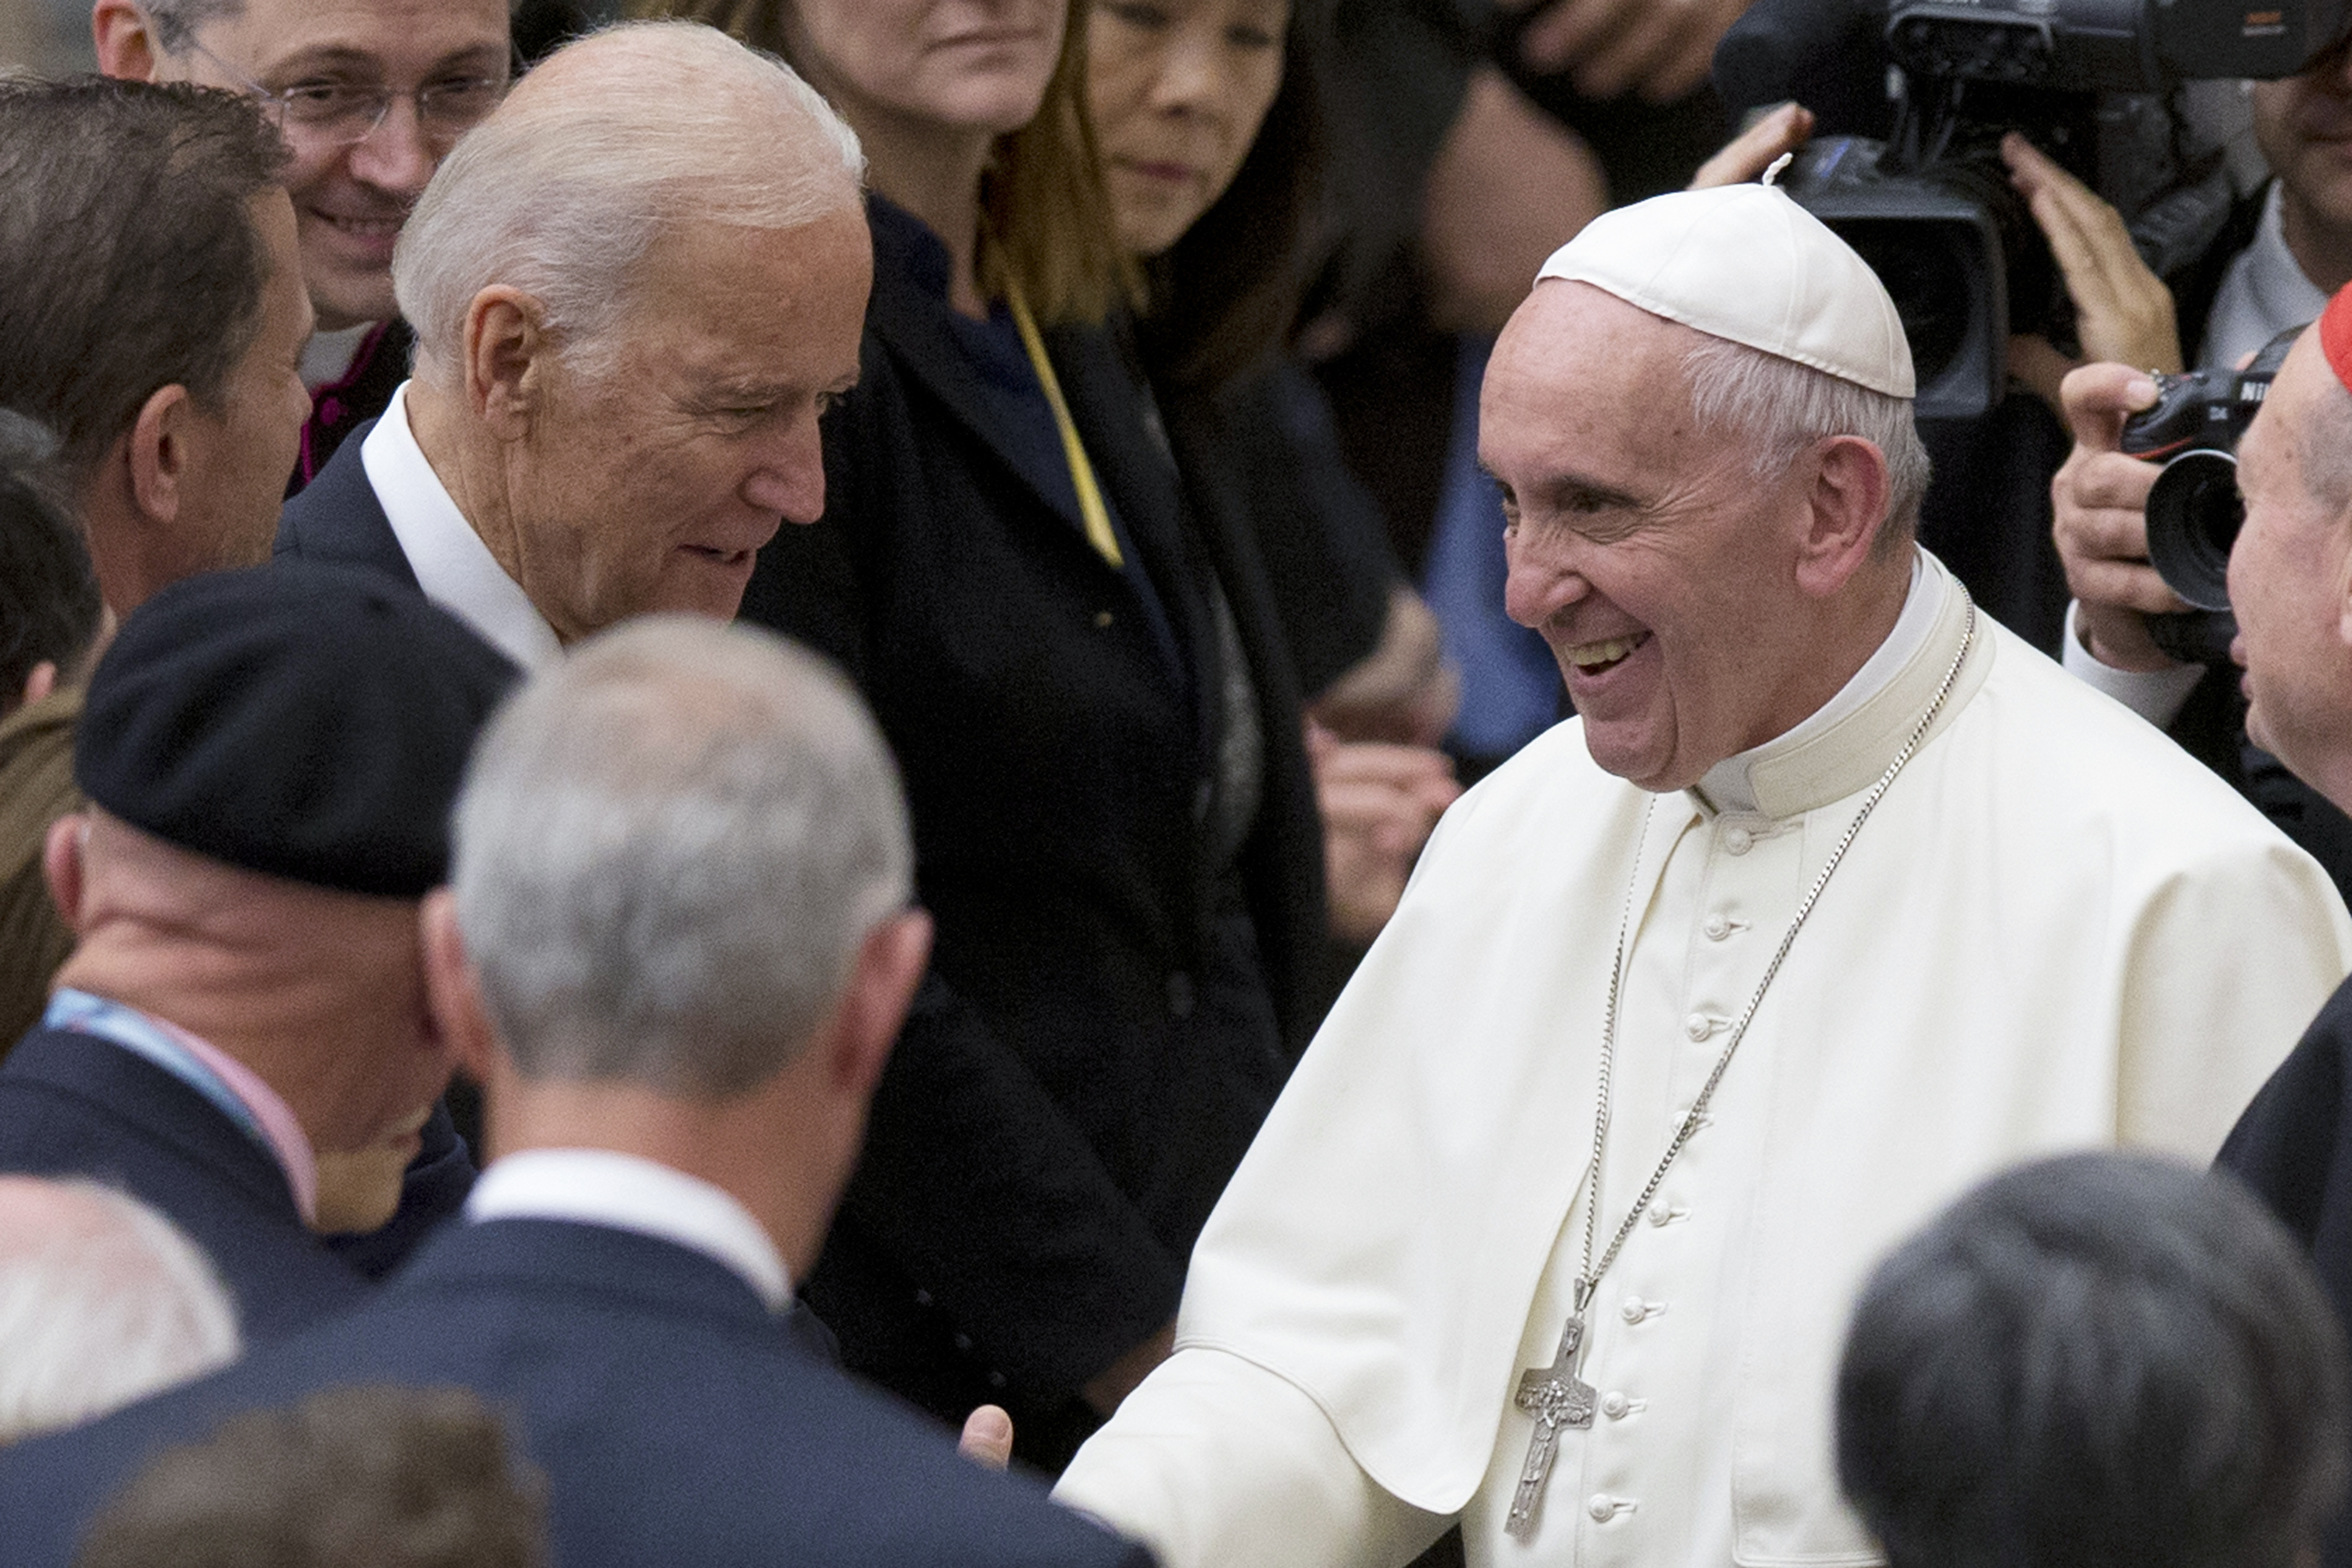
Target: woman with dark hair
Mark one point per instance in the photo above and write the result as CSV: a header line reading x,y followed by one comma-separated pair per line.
x,y
1089,698
1208,117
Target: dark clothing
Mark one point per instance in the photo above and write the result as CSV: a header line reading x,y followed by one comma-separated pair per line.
x,y
36,787
338,519
2294,1147
71,1105
675,1419
432,1190
340,409
1263,457
1117,990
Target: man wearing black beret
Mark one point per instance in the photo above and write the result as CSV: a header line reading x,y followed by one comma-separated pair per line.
x,y
241,1036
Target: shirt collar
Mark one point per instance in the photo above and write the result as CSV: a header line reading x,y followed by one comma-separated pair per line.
x,y
453,565
602,1187
234,1088
2263,292
1851,737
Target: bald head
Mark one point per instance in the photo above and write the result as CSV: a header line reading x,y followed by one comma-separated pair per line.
x,y
102,1301
613,141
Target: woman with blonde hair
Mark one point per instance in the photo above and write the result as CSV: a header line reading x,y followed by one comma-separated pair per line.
x,y
1089,698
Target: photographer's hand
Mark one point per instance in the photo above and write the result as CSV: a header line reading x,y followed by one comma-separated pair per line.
x,y
2123,311
1746,155
1659,48
2099,502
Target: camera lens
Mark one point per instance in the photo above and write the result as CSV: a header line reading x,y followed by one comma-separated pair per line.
x,y
1925,267
2193,516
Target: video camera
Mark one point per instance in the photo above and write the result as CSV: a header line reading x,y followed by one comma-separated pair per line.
x,y
2194,511
1914,96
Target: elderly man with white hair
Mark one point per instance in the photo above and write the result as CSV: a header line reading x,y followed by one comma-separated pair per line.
x,y
676,949
1835,898
102,1301
635,287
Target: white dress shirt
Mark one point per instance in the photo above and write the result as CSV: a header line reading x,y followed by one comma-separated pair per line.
x,y
2263,293
452,564
601,1187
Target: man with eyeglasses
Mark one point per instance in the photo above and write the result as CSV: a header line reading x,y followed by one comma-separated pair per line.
x,y
370,96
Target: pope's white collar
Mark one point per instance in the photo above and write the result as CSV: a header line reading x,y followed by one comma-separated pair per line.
x,y
1729,785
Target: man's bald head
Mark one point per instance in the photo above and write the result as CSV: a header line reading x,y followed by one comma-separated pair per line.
x,y
2288,571
102,1301
611,143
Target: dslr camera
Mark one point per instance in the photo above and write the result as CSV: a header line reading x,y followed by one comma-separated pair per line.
x,y
2193,511
1922,92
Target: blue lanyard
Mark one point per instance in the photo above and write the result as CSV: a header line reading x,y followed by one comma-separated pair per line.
x,y
81,1013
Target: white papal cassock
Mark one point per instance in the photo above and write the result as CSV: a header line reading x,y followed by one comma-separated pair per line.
x,y
2057,932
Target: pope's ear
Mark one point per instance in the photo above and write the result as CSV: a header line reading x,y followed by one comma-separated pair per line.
x,y
510,357
1845,509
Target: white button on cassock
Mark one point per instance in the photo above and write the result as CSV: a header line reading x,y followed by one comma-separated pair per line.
x,y
1614,1405
1698,1026
1717,928
1602,1506
1634,1310
1738,841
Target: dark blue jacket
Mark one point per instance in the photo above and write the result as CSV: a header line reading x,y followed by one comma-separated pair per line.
x,y
338,519
675,1419
71,1105
2294,1147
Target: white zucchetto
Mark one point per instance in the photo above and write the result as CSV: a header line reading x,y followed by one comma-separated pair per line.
x,y
1747,264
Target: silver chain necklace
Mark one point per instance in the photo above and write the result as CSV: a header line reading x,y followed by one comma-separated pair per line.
x,y
1554,1394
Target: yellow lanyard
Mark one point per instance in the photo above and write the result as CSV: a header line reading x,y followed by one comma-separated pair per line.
x,y
1091,510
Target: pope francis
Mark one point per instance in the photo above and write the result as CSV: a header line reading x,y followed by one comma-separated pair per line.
x,y
1835,898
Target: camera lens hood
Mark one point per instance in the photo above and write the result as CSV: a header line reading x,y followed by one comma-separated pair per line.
x,y
2193,516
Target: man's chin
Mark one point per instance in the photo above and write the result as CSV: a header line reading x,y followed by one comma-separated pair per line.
x,y
1636,758
346,297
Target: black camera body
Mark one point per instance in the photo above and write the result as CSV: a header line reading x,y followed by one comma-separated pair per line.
x,y
2193,510
1920,93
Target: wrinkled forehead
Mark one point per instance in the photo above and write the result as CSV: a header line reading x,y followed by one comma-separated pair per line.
x,y
1576,358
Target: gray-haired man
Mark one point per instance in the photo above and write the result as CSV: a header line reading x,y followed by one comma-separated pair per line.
x,y
102,1301
675,950
635,287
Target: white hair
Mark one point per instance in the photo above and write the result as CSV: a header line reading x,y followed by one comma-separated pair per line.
x,y
102,1301
669,849
616,139
1778,408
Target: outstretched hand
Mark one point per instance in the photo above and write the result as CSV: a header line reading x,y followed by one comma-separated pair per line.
x,y
1379,803
2123,313
1658,49
1746,156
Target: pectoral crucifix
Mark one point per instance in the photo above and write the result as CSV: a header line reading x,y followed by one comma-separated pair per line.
x,y
1557,1398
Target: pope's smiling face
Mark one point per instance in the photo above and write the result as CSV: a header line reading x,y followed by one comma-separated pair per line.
x,y
1660,570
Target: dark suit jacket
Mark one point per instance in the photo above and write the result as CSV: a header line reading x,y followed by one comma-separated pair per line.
x,y
1109,1018
337,518
2294,1147
74,1105
676,1420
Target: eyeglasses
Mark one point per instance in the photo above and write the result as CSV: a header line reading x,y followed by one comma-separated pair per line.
x,y
343,114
